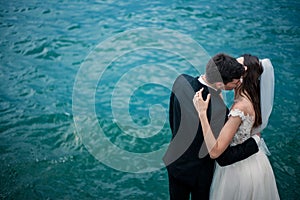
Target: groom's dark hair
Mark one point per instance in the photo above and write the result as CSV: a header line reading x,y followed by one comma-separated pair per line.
x,y
223,68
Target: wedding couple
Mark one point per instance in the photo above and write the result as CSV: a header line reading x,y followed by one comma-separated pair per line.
x,y
205,131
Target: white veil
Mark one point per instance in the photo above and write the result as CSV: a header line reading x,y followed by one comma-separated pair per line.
x,y
267,86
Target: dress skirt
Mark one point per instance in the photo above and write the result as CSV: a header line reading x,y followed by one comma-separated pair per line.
x,y
249,179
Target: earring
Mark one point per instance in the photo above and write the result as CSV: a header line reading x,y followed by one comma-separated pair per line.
x,y
241,79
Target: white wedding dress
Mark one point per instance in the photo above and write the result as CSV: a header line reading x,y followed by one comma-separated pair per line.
x,y
249,179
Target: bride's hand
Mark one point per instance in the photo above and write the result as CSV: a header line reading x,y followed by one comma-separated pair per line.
x,y
201,105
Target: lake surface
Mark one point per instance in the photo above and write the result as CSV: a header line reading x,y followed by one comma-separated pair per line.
x,y
84,90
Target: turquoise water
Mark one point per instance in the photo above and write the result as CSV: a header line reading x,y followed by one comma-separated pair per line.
x,y
43,46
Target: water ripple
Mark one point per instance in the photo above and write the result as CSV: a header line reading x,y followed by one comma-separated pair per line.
x,y
42,46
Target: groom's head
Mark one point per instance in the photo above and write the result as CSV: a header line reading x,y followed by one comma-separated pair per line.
x,y
224,71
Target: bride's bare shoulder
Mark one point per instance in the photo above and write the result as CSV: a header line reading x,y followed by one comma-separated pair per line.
x,y
243,104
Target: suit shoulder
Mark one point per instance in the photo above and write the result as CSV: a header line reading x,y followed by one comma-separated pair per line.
x,y
184,77
186,84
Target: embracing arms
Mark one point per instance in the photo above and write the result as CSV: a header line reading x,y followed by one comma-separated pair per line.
x,y
219,148
238,152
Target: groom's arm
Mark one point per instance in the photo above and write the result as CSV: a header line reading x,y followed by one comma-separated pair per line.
x,y
239,152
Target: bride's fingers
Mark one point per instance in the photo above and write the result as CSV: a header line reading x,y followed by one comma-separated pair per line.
x,y
199,94
207,98
200,91
195,98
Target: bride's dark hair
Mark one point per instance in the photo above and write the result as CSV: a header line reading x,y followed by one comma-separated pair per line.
x,y
251,85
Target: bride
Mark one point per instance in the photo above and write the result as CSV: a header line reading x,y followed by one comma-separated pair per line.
x,y
252,178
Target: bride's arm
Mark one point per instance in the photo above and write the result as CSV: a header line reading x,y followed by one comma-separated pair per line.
x,y
215,146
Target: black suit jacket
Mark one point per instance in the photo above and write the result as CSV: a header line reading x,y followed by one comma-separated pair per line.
x,y
187,157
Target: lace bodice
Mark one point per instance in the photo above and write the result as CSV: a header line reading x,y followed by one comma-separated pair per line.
x,y
244,131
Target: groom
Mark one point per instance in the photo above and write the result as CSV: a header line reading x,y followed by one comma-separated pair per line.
x,y
190,168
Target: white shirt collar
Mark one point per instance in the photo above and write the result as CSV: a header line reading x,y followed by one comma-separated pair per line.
x,y
201,80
